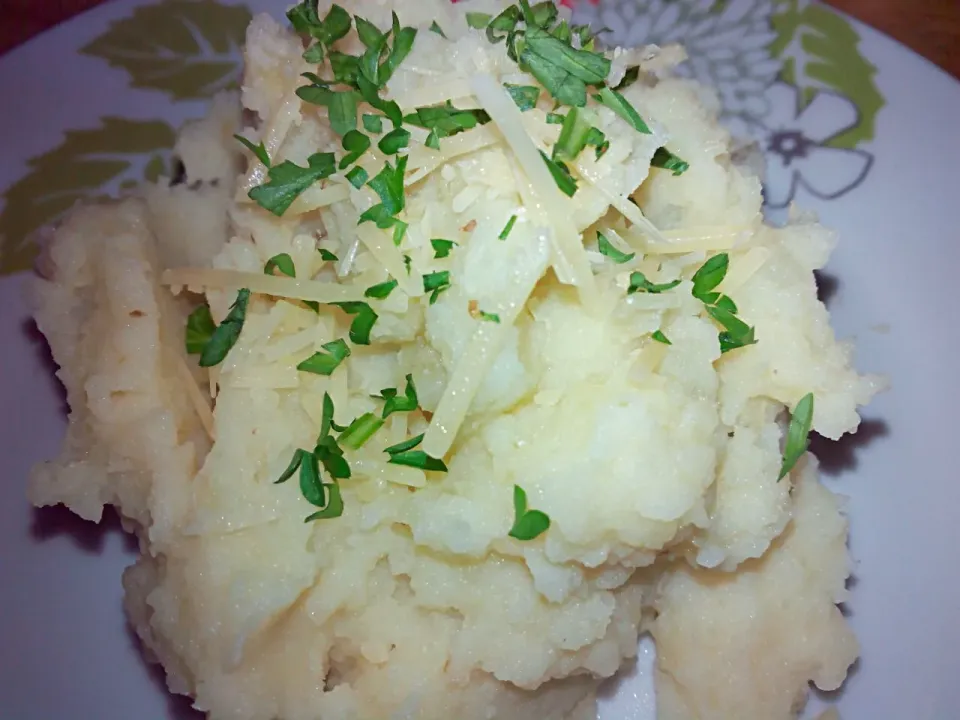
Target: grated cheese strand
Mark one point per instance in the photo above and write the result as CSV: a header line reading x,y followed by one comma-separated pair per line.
x,y
290,288
622,204
380,244
273,138
316,197
484,347
197,398
505,114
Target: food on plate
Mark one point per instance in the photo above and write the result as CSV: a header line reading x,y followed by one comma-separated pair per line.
x,y
454,355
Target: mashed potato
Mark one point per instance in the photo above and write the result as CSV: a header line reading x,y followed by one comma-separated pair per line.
x,y
654,454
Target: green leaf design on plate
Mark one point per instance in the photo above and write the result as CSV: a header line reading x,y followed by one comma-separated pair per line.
x,y
820,49
120,151
187,48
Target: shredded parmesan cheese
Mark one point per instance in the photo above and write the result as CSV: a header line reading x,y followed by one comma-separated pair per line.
x,y
290,288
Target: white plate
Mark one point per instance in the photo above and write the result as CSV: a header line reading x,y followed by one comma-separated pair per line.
x,y
875,154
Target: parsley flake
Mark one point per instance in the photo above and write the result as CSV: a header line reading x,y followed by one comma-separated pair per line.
x,y
666,160
710,275
381,291
404,446
527,524
200,328
394,141
282,262
561,176
441,248
328,256
798,434
434,28
373,123
324,363
357,177
639,283
288,180
607,249
508,228
360,431
526,97
418,459
364,320
356,144
622,107
489,317
260,151
395,403
436,283
227,333
478,20
388,184
661,338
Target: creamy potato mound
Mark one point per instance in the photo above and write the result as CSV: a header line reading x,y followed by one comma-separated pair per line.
x,y
654,454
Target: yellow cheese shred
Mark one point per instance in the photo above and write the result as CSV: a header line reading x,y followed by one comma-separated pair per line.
x,y
290,288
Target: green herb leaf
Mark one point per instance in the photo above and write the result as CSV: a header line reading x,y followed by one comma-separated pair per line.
x,y
292,467
441,248
371,93
282,262
260,151
403,39
388,184
357,177
382,290
661,338
394,403
418,459
737,333
200,328
394,141
364,320
555,118
561,176
525,96
360,431
407,261
489,317
504,23
330,454
327,423
310,483
433,140
608,250
622,107
573,136
404,446
597,139
227,333
370,35
562,69
629,77
437,29
324,363
436,283
343,112
527,524
710,275
356,144
665,159
399,230
446,120
478,20
798,434
328,256
373,123
508,228
288,180
639,283
543,14
346,70
334,508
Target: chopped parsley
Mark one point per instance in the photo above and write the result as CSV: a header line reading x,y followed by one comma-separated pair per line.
x,y
527,524
489,317
394,141
525,96
478,20
561,176
607,249
417,459
408,402
388,184
573,136
441,248
328,256
358,177
404,446
363,321
381,291
306,20
639,283
661,338
260,151
798,434
436,283
288,180
508,228
562,69
446,120
736,333
360,431
227,333
373,123
621,106
282,262
324,363
356,144
200,328
334,506
666,160
434,28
